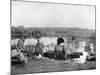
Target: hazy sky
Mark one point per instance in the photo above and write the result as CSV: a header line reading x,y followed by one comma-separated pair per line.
x,y
31,14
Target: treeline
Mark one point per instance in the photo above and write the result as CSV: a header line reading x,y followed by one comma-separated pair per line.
x,y
22,31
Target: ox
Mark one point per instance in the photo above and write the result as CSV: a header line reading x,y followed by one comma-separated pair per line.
x,y
14,43
61,48
30,42
29,45
17,44
48,43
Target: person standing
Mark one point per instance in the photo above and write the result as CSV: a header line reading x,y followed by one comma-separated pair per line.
x,y
38,49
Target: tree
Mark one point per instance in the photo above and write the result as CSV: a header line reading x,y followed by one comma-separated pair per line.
x,y
37,34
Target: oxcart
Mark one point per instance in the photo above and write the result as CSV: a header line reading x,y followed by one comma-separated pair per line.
x,y
18,57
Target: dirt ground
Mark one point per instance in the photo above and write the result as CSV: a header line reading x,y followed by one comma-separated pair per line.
x,y
50,65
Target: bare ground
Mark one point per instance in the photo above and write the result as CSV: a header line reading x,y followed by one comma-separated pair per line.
x,y
50,65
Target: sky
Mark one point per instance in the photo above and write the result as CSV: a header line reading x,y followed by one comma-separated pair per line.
x,y
33,14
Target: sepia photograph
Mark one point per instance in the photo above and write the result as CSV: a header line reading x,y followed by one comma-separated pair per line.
x,y
52,37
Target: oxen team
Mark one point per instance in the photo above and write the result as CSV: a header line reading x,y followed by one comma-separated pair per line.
x,y
37,47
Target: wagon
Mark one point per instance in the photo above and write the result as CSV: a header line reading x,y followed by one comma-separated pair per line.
x,y
18,58
91,57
